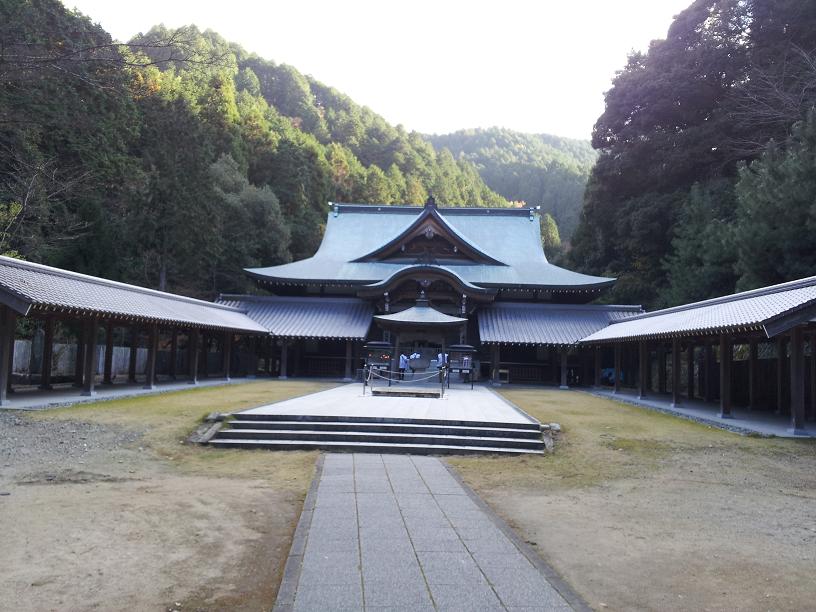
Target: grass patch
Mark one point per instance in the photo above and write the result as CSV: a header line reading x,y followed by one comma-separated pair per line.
x,y
167,419
602,440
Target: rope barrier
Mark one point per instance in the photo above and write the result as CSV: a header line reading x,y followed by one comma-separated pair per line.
x,y
373,372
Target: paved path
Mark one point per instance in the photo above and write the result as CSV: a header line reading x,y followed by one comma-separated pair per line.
x,y
479,404
399,532
743,421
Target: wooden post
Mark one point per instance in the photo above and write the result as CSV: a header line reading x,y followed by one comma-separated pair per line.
x,y
598,367
661,368
564,368
797,381
226,354
349,347
171,370
283,375
643,368
204,355
617,373
48,354
753,356
813,376
134,353
675,371
495,359
8,327
708,370
193,340
91,355
780,374
107,376
690,371
79,369
725,376
152,349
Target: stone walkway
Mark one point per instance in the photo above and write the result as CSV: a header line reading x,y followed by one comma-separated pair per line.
x,y
399,532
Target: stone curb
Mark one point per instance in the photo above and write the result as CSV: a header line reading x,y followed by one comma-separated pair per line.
x,y
575,601
285,600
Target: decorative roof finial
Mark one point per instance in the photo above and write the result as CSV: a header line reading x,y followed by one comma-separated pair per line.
x,y
430,202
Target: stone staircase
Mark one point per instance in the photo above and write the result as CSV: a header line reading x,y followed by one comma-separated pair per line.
x,y
379,435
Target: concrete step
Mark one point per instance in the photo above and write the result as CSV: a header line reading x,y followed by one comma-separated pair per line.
x,y
244,416
405,392
379,438
485,432
370,447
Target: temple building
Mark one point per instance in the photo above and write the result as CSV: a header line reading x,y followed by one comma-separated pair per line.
x,y
481,270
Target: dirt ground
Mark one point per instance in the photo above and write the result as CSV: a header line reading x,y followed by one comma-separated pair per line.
x,y
103,507
643,511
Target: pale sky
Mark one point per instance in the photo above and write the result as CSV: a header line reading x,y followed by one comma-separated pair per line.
x,y
433,66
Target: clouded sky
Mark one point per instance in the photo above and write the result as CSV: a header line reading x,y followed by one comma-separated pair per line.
x,y
433,65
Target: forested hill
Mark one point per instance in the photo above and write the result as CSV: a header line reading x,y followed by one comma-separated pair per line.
x,y
538,169
706,180
178,159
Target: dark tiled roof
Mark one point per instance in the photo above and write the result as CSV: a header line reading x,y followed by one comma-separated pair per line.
x,y
26,286
511,236
759,310
545,324
307,317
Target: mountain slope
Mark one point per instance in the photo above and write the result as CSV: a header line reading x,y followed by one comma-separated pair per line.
x,y
539,169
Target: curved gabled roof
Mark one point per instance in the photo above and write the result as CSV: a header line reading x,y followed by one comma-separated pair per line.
x,y
511,236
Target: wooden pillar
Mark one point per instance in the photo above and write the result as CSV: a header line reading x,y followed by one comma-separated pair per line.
x,y
564,368
675,371
617,372
284,361
107,376
226,354
598,368
797,381
780,374
171,370
690,371
8,327
708,370
10,369
813,376
661,368
152,350
91,354
193,341
48,354
495,360
349,347
643,368
134,353
753,357
79,369
725,376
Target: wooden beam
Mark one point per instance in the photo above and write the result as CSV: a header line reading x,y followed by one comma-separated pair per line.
x,y
676,371
283,375
797,380
661,368
349,348
725,376
8,329
708,372
48,354
90,355
79,369
690,371
617,369
780,375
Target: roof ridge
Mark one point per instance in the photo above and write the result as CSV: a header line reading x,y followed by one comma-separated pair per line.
x,y
288,298
411,208
801,283
603,307
43,269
